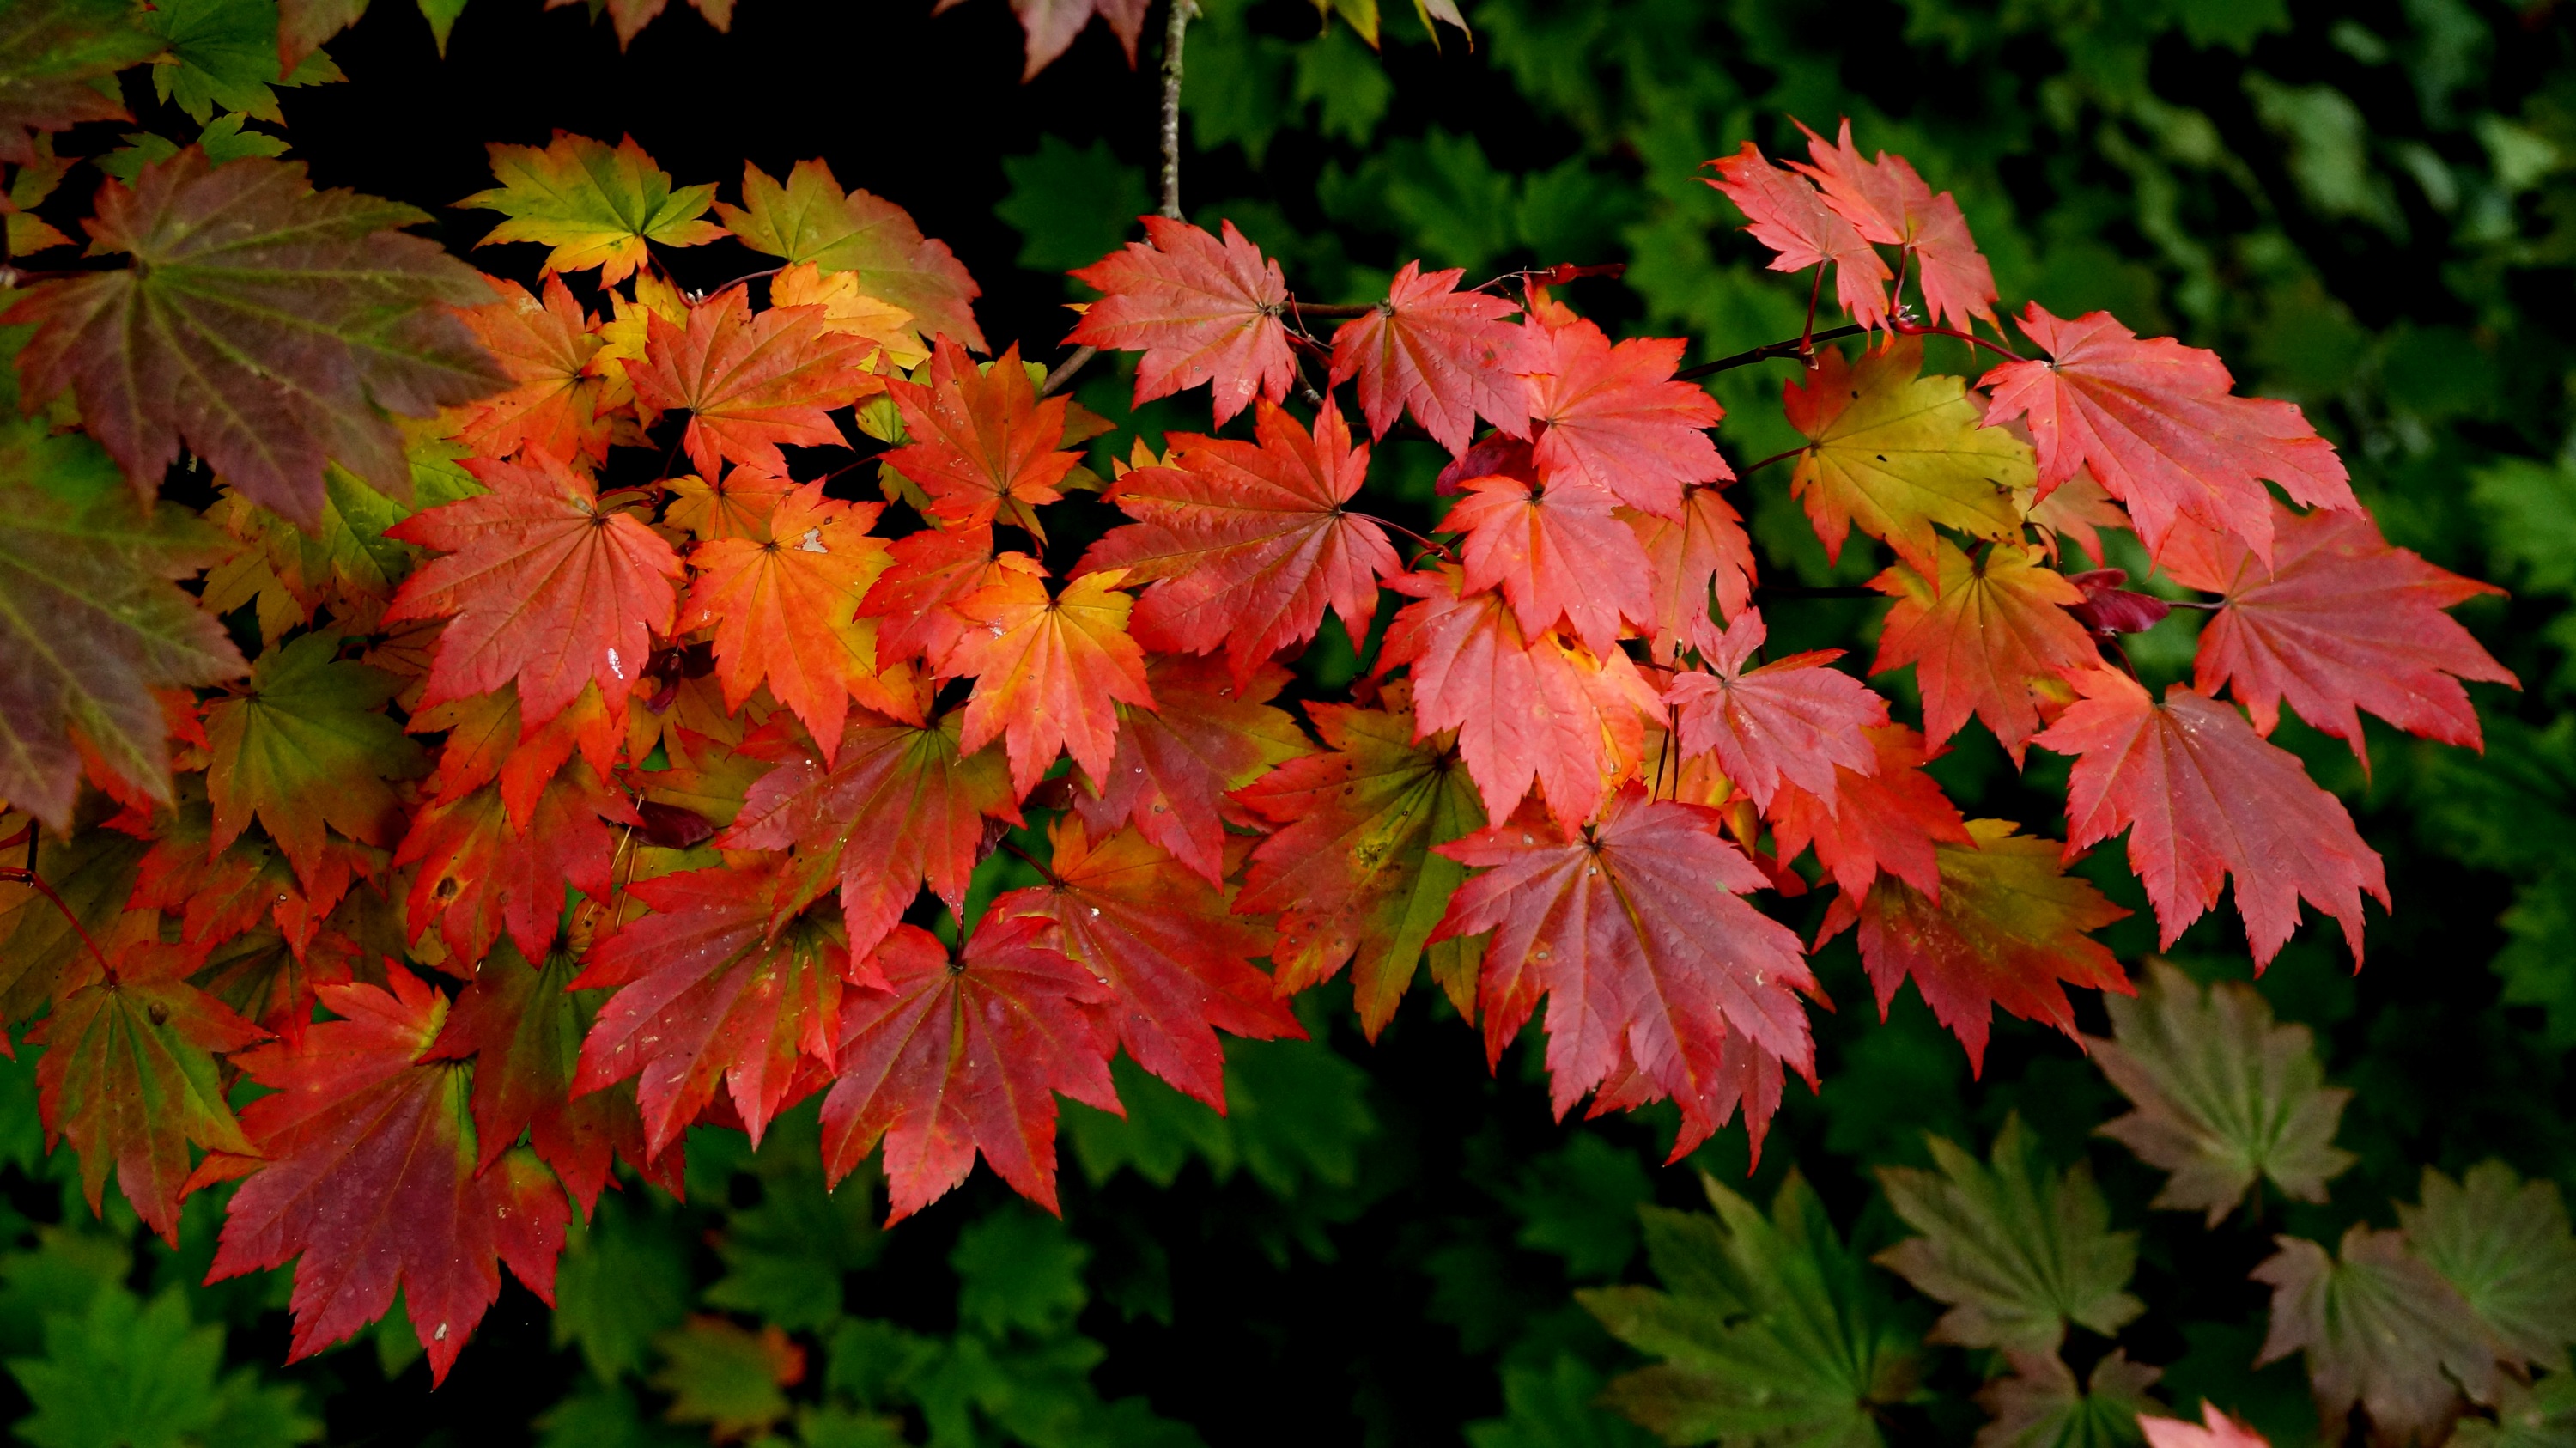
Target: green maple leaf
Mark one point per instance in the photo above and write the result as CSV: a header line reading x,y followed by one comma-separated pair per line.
x,y
2505,1244
623,1281
810,218
2542,1415
2223,1096
785,1258
1554,1407
89,621
307,750
597,205
2017,1250
2380,1329
2040,1406
226,56
126,1375
52,55
1019,1270
1770,1330
266,325
727,1377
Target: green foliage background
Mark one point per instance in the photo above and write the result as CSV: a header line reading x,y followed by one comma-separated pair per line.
x,y
2369,208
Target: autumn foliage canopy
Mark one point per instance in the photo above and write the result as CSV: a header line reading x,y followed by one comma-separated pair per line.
x,y
670,707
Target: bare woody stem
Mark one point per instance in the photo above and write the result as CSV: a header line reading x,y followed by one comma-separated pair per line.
x,y
1793,347
1176,27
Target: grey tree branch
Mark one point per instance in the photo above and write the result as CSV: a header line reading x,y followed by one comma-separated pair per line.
x,y
1175,27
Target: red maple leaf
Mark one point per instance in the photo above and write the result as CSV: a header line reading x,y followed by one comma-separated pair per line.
x,y
1557,553
912,600
1615,418
1447,355
2340,621
1633,931
784,606
1785,214
1526,709
750,381
2204,798
1889,821
522,1026
1348,867
368,1180
983,445
1049,671
128,1076
1981,634
1792,719
1175,764
546,589
1049,26
898,808
1199,309
480,870
1886,202
967,1055
717,985
2157,423
1705,552
557,401
2008,929
1244,545
1163,941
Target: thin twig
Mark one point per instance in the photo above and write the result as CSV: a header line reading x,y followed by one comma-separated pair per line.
x,y
737,281
1780,457
1176,25
1840,590
1793,347
1904,328
1433,544
1336,311
1064,371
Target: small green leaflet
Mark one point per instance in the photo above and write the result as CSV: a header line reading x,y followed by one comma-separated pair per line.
x,y
2223,1096
2018,1250
1770,1329
143,1376
2040,1406
2504,1243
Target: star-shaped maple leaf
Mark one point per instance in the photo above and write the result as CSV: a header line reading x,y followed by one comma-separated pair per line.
x,y
1200,310
984,446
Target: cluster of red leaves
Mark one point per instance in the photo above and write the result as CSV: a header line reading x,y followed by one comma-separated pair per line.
x,y
658,775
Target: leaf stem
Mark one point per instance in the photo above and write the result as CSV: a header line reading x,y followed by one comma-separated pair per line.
x,y
1780,457
1433,544
1793,347
1904,328
28,877
1075,361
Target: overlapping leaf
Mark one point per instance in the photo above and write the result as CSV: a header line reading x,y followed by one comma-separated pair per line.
x,y
2380,1330
1447,356
1652,966
1897,453
2017,1250
1049,671
750,380
90,623
2339,621
784,605
2158,424
1786,214
2206,800
306,750
1349,867
1526,710
1243,545
2008,929
1792,719
558,402
1200,309
967,1056
717,986
1615,417
1176,762
369,1182
983,445
1557,553
597,205
810,218
897,808
128,1077
2222,1097
1887,203
1984,634
265,325
1706,553
1164,942
542,587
